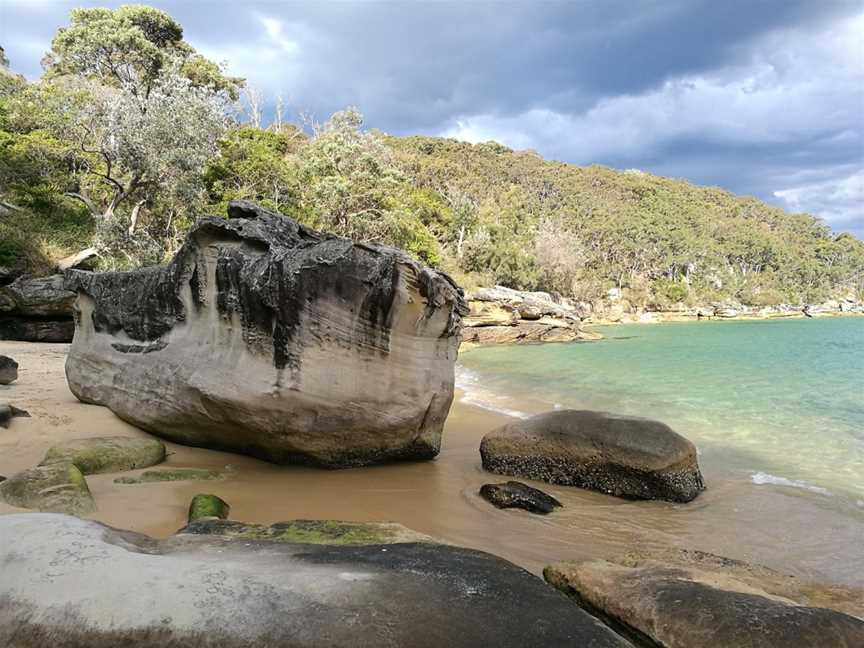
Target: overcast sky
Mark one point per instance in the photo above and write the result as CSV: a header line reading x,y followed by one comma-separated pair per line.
x,y
760,97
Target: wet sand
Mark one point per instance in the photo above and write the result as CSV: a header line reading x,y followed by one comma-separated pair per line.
x,y
782,530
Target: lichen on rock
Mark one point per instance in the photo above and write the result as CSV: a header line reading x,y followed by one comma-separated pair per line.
x,y
56,488
107,454
265,337
326,532
171,475
208,507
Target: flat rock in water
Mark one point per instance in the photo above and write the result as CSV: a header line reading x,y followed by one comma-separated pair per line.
x,y
624,456
687,607
171,475
80,583
513,494
8,370
267,338
107,454
58,488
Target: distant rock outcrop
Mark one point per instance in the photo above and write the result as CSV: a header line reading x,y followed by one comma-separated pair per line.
x,y
624,456
267,338
501,315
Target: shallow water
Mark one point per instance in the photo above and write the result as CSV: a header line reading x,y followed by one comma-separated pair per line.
x,y
767,400
775,408
795,530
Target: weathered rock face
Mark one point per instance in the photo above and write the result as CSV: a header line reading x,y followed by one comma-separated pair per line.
x,y
624,456
8,370
268,338
69,582
691,607
515,494
36,310
501,315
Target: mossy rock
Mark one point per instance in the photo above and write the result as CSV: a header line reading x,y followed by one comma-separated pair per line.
x,y
107,454
208,507
57,488
319,532
173,474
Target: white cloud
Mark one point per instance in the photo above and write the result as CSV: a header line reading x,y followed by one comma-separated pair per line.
x,y
838,201
797,91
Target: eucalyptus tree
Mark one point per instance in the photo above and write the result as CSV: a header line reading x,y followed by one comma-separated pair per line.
x,y
142,113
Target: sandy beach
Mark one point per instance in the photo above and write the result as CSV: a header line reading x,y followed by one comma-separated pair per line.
x,y
437,497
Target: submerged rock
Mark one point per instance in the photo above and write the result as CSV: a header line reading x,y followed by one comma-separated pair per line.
x,y
676,606
171,474
58,488
8,370
624,456
208,507
513,494
204,590
107,454
267,338
327,532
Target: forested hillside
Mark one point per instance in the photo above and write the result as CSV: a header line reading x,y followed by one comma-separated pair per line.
x,y
131,135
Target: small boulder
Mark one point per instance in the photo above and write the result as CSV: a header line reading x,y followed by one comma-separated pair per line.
x,y
8,412
107,454
513,494
8,370
624,456
527,312
58,488
208,507
688,607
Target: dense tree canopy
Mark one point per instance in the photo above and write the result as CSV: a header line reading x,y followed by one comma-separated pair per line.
x,y
131,134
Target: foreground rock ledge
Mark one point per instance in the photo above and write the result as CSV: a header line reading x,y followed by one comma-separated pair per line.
x,y
270,339
624,456
703,603
80,583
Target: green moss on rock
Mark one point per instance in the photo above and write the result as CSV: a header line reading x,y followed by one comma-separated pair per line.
x,y
325,532
56,488
173,474
205,506
107,454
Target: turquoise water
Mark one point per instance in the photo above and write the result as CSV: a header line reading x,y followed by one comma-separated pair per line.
x,y
776,403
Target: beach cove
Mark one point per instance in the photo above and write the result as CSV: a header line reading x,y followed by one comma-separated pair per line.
x,y
755,510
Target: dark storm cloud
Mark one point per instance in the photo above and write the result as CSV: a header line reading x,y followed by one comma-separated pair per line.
x,y
628,84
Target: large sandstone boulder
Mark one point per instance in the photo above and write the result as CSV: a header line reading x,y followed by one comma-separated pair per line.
x,y
270,339
71,583
708,603
620,455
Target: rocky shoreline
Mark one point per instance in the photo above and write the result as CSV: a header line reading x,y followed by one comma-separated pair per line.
x,y
270,340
